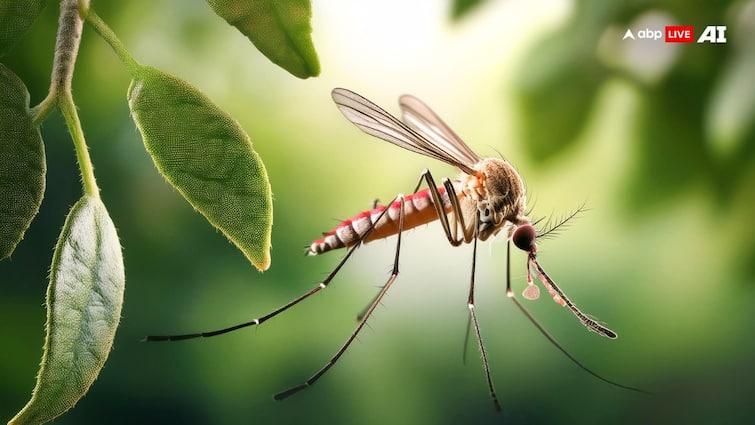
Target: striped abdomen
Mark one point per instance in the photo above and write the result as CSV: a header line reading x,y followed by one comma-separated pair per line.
x,y
418,210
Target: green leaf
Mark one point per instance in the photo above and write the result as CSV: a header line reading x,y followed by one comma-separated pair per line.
x,y
731,113
556,102
207,156
16,17
670,154
280,29
22,163
560,77
461,8
84,300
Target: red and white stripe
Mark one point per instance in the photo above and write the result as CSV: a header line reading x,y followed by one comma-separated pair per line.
x,y
418,210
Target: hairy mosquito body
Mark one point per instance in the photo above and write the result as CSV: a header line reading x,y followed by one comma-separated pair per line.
x,y
496,189
486,198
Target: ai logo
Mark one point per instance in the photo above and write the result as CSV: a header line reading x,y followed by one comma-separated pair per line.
x,y
715,34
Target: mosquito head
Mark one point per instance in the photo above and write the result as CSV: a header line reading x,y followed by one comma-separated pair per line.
x,y
524,238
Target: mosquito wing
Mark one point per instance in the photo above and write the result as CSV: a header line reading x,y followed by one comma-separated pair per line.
x,y
375,121
423,120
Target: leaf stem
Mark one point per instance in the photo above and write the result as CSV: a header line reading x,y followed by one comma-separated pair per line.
x,y
41,111
68,109
110,38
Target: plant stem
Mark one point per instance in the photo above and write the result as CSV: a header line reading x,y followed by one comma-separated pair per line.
x,y
68,109
67,43
110,38
40,112
64,60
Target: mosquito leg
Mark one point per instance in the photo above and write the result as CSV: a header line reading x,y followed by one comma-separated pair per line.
x,y
476,327
258,321
465,348
362,313
547,334
449,224
255,322
394,273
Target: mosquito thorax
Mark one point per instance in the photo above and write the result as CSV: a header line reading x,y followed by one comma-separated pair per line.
x,y
504,191
524,238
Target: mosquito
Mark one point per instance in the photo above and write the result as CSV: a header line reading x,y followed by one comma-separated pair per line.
x,y
487,198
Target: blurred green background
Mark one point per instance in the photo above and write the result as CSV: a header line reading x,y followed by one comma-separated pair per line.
x,y
657,139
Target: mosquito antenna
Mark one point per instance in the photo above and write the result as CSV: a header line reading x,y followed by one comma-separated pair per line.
x,y
554,228
548,336
537,221
532,201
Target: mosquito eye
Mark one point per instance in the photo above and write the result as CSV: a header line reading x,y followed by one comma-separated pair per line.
x,y
524,238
